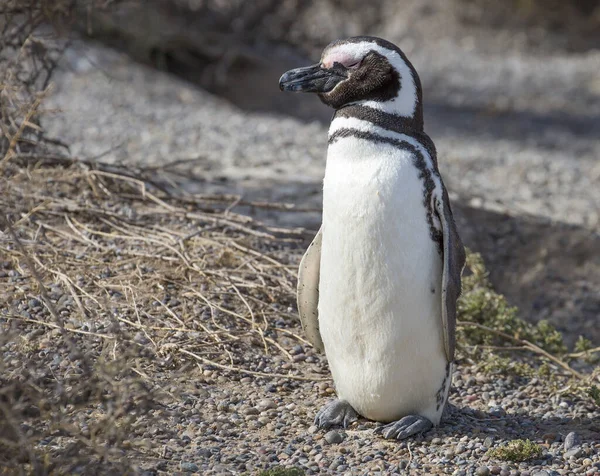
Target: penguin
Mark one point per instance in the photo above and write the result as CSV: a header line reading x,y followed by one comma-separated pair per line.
x,y
377,287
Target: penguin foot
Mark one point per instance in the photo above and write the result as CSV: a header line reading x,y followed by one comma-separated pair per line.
x,y
335,413
408,426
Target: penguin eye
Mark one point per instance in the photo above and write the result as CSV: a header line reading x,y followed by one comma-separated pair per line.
x,y
353,65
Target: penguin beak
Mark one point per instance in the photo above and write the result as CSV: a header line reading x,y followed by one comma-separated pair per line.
x,y
311,79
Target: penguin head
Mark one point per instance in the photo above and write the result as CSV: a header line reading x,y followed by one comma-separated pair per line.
x,y
360,70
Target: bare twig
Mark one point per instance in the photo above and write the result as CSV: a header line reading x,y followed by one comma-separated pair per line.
x,y
308,378
527,344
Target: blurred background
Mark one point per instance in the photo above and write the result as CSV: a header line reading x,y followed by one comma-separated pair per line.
x,y
189,90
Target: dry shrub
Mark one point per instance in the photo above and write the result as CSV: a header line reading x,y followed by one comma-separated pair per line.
x,y
112,294
111,298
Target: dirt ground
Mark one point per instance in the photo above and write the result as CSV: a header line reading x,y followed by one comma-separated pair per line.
x,y
148,323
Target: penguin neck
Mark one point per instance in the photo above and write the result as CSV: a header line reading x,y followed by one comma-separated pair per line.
x,y
405,124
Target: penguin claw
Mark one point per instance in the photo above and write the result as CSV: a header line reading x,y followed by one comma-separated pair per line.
x,y
336,413
408,426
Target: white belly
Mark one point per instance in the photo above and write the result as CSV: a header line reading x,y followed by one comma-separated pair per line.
x,y
380,284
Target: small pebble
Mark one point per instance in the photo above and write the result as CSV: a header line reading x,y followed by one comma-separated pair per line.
x,y
496,412
573,453
204,453
571,441
265,404
333,437
189,467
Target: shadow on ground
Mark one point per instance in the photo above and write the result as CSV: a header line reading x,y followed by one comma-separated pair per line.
x,y
550,270
521,425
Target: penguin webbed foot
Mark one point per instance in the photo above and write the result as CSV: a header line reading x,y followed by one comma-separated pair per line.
x,y
407,426
336,413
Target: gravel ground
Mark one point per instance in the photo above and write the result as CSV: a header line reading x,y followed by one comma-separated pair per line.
x,y
167,339
231,428
129,298
517,141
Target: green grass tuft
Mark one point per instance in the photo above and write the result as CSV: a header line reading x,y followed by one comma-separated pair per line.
x,y
479,303
594,392
583,344
494,364
517,451
281,471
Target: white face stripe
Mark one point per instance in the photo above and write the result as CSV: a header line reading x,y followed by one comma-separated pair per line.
x,y
404,104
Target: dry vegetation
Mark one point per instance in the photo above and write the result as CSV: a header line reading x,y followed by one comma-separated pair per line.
x,y
117,297
113,296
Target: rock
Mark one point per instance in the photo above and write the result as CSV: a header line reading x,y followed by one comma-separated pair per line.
x,y
263,421
573,453
297,349
313,429
189,467
496,412
265,404
572,440
482,471
333,437
460,448
488,442
204,453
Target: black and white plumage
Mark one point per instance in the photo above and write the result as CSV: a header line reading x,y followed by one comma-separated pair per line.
x,y
378,286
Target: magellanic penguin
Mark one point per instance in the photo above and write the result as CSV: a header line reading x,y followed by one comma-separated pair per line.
x,y
378,285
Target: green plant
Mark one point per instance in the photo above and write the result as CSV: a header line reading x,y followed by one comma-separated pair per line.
x,y
281,471
583,344
494,364
480,304
517,451
594,392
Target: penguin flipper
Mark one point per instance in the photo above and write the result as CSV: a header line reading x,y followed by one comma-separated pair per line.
x,y
454,262
308,292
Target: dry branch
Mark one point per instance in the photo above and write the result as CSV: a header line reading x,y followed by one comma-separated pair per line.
x,y
525,344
